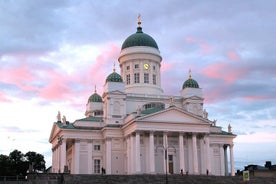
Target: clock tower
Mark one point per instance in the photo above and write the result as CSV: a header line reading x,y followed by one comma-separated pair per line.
x,y
140,63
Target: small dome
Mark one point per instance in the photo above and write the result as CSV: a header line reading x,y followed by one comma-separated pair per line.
x,y
190,83
139,39
95,98
114,77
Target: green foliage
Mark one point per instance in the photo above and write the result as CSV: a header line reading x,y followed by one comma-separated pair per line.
x,y
17,163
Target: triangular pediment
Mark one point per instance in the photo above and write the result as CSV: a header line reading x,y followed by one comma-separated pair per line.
x,y
116,92
54,131
195,98
173,115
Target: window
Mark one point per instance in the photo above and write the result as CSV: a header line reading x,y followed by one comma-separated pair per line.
x,y
127,67
128,78
153,67
97,147
97,166
170,157
146,78
154,105
98,113
154,79
136,78
136,66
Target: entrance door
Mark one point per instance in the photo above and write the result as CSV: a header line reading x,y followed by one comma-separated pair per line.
x,y
170,164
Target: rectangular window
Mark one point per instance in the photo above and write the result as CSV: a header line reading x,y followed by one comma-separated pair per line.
x,y
136,66
154,79
136,78
127,67
97,166
128,78
153,67
146,78
97,147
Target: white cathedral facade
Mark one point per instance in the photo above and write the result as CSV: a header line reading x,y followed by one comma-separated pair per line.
x,y
133,128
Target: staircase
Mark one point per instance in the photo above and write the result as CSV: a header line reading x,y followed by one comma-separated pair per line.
x,y
145,179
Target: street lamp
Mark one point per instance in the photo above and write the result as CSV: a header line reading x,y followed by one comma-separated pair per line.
x,y
165,148
59,143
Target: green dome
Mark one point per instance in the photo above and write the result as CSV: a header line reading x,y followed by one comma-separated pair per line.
x,y
114,77
139,39
95,98
190,83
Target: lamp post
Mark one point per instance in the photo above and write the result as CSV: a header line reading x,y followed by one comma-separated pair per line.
x,y
165,148
59,143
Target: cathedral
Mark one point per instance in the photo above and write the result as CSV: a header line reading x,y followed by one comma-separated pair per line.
x,y
134,128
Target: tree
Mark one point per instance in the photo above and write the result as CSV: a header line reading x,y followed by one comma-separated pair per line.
x,y
17,163
36,160
4,165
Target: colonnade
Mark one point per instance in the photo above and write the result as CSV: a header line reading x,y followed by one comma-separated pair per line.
x,y
196,164
134,151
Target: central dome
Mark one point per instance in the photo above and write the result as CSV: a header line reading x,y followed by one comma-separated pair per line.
x,y
139,39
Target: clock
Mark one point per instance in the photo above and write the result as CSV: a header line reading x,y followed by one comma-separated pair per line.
x,y
146,66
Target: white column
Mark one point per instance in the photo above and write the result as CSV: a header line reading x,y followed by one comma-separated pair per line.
x,y
225,160
138,152
181,152
165,153
132,161
232,160
90,148
58,159
62,155
195,159
202,156
77,157
151,153
207,150
108,155
222,166
128,156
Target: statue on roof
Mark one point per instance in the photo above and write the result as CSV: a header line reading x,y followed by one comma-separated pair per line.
x,y
58,116
64,120
205,114
229,128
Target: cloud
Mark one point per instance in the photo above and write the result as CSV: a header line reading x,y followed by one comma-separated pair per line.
x,y
204,48
234,56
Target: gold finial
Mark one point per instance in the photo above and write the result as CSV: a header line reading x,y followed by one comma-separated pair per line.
x,y
190,73
95,89
139,19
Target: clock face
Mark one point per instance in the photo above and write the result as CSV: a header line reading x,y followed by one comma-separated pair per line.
x,y
146,66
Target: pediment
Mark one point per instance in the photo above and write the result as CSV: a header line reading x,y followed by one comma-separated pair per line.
x,y
173,115
116,92
194,97
54,131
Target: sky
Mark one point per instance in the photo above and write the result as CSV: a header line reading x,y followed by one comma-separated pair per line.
x,y
53,53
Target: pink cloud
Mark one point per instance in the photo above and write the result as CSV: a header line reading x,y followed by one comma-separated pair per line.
x,y
103,66
20,76
204,48
256,98
223,71
234,56
167,66
3,97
